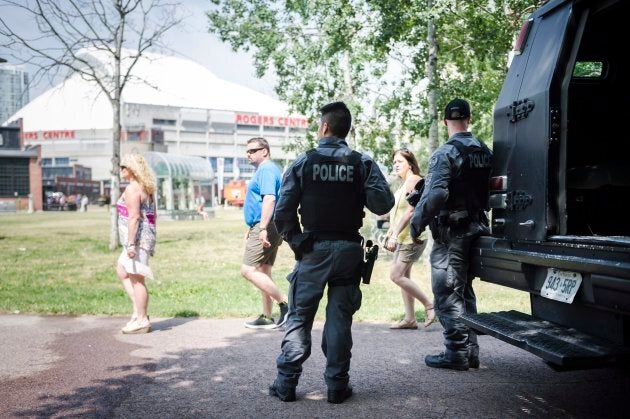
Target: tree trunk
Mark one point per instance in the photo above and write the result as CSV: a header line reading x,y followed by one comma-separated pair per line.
x,y
432,76
114,239
115,185
349,93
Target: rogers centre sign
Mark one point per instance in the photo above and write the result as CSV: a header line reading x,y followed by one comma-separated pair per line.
x,y
281,121
49,135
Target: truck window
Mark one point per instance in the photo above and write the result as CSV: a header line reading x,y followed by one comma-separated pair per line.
x,y
588,69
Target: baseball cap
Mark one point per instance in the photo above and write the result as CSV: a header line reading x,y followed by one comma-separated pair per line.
x,y
457,109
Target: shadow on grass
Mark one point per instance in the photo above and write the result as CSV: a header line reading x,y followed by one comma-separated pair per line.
x,y
187,313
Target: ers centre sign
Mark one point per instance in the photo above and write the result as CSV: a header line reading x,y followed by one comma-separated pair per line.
x,y
281,121
49,135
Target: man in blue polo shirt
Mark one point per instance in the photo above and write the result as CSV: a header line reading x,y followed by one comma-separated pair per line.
x,y
262,239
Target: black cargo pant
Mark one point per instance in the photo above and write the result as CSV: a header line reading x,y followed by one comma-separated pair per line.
x,y
335,263
452,287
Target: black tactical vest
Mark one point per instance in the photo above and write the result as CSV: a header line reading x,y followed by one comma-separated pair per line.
x,y
470,190
332,193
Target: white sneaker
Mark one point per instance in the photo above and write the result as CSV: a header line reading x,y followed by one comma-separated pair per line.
x,y
137,327
133,319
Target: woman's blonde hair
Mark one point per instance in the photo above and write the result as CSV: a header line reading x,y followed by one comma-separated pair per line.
x,y
141,171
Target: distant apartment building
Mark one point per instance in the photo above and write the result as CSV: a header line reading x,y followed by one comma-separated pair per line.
x,y
13,89
20,173
58,175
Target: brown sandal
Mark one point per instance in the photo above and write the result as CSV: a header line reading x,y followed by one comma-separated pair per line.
x,y
429,315
405,324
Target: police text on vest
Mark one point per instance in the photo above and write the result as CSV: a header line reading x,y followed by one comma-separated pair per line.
x,y
333,173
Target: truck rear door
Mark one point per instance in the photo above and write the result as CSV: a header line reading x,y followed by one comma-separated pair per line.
x,y
527,124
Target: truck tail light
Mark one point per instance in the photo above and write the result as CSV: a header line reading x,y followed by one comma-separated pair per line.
x,y
519,45
498,195
498,184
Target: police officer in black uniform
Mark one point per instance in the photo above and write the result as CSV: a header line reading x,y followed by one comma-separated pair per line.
x,y
328,186
453,205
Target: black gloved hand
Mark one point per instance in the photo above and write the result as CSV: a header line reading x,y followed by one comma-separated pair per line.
x,y
415,227
414,196
301,243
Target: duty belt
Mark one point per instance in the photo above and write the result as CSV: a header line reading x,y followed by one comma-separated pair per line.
x,y
457,218
337,235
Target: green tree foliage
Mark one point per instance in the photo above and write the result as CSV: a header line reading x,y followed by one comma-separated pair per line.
x,y
373,55
588,69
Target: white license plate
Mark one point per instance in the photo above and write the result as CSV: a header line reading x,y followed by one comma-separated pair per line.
x,y
561,285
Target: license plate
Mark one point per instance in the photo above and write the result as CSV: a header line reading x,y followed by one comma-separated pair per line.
x,y
561,285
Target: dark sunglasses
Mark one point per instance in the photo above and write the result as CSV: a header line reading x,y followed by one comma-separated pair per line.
x,y
254,150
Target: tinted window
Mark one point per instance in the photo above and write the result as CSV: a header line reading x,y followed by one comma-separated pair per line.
x,y
588,69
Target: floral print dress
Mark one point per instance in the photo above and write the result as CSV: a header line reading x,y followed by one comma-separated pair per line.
x,y
145,237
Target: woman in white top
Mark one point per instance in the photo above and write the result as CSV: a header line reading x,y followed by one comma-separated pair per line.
x,y
399,241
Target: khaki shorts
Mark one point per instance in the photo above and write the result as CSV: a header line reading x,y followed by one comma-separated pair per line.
x,y
255,253
409,253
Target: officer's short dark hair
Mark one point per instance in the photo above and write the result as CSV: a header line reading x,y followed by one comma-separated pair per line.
x,y
338,117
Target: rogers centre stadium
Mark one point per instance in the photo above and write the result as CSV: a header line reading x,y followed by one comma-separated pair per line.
x,y
171,105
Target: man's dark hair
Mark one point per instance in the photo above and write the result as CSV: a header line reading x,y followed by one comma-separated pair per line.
x,y
338,117
261,143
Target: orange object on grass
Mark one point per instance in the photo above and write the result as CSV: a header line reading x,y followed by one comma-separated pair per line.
x,y
234,192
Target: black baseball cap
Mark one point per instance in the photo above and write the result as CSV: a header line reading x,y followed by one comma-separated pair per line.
x,y
457,109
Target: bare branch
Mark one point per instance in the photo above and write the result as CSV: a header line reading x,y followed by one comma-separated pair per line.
x,y
146,42
89,38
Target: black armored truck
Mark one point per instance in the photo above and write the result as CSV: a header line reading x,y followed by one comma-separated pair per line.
x,y
560,188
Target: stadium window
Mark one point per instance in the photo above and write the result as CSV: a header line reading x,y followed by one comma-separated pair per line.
x,y
276,130
221,127
169,122
248,128
196,126
136,135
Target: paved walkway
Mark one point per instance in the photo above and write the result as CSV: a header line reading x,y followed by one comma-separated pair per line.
x,y
83,366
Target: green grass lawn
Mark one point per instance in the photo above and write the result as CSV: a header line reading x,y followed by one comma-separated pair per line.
x,y
59,263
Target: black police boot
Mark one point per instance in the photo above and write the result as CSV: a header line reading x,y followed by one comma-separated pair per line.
x,y
339,396
283,393
473,357
440,361
473,361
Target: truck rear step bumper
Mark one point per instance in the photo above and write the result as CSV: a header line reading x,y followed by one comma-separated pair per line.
x,y
562,346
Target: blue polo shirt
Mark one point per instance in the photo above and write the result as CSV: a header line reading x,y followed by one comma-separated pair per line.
x,y
266,181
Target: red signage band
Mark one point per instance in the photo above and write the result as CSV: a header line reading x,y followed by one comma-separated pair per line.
x,y
282,121
49,135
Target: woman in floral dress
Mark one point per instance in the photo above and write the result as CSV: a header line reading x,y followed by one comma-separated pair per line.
x,y
136,227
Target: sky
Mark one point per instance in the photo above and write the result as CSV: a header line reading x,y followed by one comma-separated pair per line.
x,y
189,40
193,41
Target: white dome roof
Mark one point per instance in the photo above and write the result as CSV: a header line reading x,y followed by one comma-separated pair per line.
x,y
157,80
